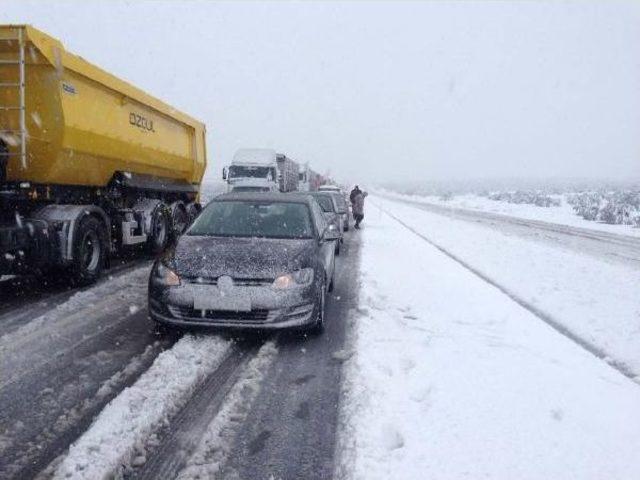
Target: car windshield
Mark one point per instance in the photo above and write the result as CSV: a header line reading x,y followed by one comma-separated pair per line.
x,y
254,219
325,202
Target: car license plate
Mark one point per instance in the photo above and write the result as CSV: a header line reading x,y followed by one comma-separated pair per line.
x,y
211,298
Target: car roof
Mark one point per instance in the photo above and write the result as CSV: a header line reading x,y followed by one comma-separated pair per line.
x,y
275,197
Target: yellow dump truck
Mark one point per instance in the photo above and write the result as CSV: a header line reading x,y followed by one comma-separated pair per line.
x,y
89,164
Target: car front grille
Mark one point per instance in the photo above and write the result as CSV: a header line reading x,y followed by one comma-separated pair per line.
x,y
225,316
239,282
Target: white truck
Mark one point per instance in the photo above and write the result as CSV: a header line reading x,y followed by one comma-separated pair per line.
x,y
309,179
261,170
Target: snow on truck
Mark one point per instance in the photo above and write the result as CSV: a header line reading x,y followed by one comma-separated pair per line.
x,y
88,163
256,169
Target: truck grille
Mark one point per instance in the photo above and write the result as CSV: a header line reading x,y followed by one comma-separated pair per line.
x,y
227,316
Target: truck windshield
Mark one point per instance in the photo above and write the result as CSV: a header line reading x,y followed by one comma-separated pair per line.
x,y
243,171
254,219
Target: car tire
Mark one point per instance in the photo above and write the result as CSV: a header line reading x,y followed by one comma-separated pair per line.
x,y
331,284
318,326
89,251
160,329
337,249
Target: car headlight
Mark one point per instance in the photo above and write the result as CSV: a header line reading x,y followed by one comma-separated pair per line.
x,y
295,279
164,275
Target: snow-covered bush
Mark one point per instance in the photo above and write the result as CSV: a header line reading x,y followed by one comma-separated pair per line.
x,y
446,196
617,207
537,198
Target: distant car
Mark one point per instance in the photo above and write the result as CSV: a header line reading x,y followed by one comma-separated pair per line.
x,y
329,205
343,209
250,260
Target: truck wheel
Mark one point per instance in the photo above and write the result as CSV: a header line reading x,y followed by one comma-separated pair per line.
x,y
193,210
4,160
180,219
160,232
89,249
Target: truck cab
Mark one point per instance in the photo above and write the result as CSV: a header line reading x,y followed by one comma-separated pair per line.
x,y
261,170
252,168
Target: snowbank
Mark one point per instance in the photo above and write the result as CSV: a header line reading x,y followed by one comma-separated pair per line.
x,y
451,379
594,299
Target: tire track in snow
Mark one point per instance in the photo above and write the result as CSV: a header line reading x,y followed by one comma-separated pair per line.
x,y
539,313
27,460
200,439
127,427
28,297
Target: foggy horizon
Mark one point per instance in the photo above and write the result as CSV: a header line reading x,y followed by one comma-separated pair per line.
x,y
378,92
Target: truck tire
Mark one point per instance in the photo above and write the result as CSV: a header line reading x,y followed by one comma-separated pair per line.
x,y
89,251
179,219
193,210
160,229
4,160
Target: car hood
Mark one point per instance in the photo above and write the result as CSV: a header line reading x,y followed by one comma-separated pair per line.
x,y
211,257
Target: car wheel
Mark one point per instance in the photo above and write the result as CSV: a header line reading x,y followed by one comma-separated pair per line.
x,y
330,289
318,325
89,250
337,249
166,330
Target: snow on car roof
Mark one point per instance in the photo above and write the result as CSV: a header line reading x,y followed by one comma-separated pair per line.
x,y
265,197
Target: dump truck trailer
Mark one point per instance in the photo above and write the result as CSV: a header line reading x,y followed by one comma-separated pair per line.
x,y
89,164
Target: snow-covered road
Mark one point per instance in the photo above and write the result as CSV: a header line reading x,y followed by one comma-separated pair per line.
x,y
472,359
453,379
88,390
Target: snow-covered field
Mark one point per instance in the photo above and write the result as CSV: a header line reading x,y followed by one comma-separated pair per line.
x,y
452,379
562,215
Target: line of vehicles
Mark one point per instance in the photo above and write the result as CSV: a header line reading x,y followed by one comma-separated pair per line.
x,y
264,170
91,165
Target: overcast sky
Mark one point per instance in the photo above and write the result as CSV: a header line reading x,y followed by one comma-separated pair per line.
x,y
382,91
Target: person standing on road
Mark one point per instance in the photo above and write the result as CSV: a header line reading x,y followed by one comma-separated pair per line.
x,y
358,207
354,192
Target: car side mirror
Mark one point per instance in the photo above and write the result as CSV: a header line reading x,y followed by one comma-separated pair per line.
x,y
224,173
